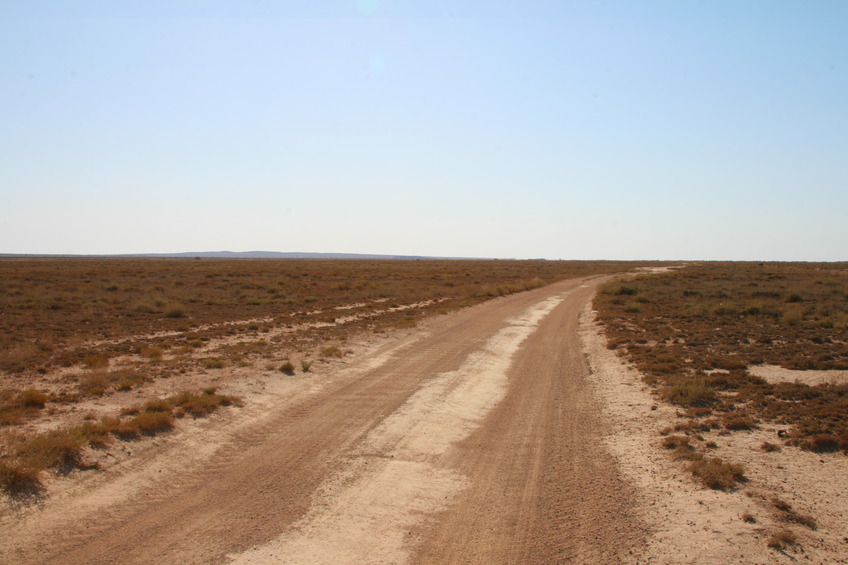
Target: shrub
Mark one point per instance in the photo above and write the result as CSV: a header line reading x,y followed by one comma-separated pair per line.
x,y
17,478
175,312
59,448
96,361
792,316
691,391
788,514
151,423
737,422
32,398
729,363
201,404
717,474
158,405
821,443
332,351
154,353
305,365
674,442
93,385
625,290
782,539
769,447
213,363
287,368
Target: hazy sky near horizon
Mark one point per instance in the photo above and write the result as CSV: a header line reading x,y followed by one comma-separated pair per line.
x,y
575,130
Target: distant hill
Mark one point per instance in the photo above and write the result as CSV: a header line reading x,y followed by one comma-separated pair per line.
x,y
241,255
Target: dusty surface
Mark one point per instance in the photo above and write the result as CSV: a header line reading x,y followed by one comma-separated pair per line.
x,y
691,524
776,374
473,440
503,433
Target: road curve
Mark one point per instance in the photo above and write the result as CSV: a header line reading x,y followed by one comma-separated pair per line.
x,y
476,440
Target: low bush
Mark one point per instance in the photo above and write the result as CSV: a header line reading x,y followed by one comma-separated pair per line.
x,y
199,405
717,474
151,423
787,514
674,442
331,351
175,312
736,422
685,391
821,443
782,539
769,447
32,398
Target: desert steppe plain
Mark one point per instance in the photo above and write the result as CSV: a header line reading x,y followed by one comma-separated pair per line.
x,y
259,411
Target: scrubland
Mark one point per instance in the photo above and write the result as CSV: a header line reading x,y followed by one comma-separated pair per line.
x,y
754,358
698,332
97,351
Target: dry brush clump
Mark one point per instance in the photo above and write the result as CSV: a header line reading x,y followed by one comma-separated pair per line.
x,y
712,472
699,329
24,459
782,539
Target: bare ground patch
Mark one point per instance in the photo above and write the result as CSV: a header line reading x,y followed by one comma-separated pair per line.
x,y
694,524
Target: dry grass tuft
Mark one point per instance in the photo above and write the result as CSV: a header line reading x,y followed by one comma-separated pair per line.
x,y
675,442
331,351
32,398
62,449
788,514
737,422
769,447
748,518
688,392
782,539
199,405
717,474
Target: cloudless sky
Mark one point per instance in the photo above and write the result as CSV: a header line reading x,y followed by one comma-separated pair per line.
x,y
561,129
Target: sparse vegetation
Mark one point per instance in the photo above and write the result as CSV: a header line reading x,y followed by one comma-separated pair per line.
x,y
717,474
26,458
108,328
788,514
331,351
701,328
782,539
769,447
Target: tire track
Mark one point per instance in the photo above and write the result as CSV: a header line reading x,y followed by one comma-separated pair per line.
x,y
262,479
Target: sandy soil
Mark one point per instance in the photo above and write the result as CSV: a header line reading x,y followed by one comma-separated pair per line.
x,y
691,524
777,374
503,433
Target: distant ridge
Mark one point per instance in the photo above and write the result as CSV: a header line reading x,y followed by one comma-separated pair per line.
x,y
239,255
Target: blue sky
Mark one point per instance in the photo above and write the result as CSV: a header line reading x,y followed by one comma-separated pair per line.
x,y
573,130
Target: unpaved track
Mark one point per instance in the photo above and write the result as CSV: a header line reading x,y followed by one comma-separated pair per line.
x,y
477,441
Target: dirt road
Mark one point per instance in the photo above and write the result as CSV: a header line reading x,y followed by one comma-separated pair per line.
x,y
474,440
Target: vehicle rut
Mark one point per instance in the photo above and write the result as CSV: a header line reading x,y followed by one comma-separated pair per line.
x,y
475,440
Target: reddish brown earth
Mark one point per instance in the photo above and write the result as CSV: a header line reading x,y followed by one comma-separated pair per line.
x,y
502,433
473,440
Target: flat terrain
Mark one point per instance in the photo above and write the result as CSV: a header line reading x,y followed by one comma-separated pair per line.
x,y
475,441
526,427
